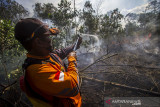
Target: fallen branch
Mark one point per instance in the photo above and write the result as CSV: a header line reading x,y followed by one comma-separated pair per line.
x,y
124,86
7,87
155,82
107,72
98,60
137,66
10,84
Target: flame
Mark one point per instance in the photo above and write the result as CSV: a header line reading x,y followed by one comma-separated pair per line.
x,y
149,36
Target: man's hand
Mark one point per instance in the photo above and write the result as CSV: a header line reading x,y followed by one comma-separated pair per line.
x,y
79,42
72,54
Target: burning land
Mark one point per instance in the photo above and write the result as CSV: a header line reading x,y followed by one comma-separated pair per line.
x,y
119,55
124,72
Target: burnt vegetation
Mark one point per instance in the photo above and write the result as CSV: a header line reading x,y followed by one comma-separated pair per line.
x,y
113,61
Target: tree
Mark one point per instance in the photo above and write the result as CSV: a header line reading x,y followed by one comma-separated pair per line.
x,y
44,11
149,20
115,20
62,17
105,26
89,19
11,10
131,28
111,24
9,47
153,7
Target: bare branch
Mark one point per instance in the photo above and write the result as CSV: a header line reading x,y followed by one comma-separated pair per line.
x,y
98,60
124,86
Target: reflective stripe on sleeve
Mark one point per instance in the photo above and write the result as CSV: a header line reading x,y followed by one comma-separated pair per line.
x,y
59,76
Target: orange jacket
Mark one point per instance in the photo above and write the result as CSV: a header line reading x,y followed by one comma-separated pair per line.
x,y
50,80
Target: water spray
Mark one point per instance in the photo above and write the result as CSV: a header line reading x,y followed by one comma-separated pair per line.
x,y
96,46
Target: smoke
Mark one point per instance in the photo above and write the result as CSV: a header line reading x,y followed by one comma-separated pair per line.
x,y
139,45
142,45
145,45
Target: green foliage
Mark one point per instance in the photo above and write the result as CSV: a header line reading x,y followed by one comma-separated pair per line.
x,y
64,14
111,24
116,17
131,28
63,19
44,11
15,73
7,35
11,10
9,45
61,16
90,20
9,48
149,20
105,26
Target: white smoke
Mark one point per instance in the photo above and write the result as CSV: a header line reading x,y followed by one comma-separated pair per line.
x,y
142,43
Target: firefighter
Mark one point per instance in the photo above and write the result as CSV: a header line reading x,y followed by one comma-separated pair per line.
x,y
47,82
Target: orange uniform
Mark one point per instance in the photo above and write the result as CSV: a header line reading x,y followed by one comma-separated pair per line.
x,y
51,83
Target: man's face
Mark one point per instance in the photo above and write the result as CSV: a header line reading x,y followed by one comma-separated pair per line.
x,y
46,43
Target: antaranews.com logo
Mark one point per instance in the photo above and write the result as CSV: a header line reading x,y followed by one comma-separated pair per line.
x,y
132,101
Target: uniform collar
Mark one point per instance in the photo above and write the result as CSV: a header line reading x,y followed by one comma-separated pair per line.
x,y
37,57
